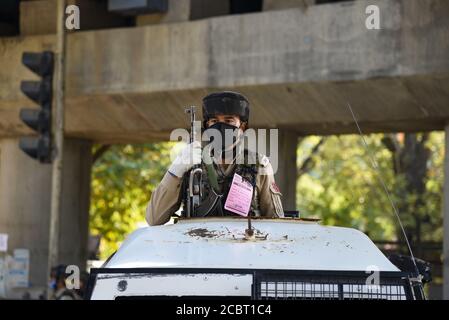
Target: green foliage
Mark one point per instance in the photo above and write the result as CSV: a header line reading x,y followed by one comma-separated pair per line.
x,y
123,179
343,188
433,227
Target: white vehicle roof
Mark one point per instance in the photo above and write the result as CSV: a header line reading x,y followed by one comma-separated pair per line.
x,y
284,244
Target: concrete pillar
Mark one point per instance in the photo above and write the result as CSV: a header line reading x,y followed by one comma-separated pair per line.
x,y
74,225
25,187
286,173
446,219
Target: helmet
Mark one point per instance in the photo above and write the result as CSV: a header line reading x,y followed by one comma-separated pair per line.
x,y
225,102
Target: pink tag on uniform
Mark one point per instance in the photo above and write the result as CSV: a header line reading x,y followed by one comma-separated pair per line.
x,y
239,196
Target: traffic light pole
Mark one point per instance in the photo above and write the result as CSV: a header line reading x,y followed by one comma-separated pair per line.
x,y
58,135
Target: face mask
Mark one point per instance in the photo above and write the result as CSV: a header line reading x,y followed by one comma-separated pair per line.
x,y
228,135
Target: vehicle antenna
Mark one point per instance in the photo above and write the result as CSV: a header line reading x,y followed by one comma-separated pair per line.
x,y
382,181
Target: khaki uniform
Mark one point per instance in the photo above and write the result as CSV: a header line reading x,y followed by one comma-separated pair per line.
x,y
165,199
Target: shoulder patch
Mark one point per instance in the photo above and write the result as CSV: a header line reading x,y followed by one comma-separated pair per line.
x,y
274,188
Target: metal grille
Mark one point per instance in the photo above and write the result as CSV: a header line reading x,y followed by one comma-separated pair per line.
x,y
301,284
315,287
383,292
297,290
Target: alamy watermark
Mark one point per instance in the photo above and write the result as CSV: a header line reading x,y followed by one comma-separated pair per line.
x,y
72,21
372,22
373,280
72,280
264,142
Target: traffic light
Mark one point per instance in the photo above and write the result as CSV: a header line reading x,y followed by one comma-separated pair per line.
x,y
40,147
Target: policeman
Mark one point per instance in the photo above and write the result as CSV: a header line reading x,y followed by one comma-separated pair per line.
x,y
221,111
58,284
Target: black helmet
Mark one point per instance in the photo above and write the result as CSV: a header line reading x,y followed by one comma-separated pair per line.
x,y
225,102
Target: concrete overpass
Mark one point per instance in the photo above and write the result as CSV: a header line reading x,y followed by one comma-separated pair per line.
x,y
299,67
299,71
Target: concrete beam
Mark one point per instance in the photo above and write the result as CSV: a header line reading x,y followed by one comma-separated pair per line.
x,y
39,16
25,205
298,68
286,4
287,170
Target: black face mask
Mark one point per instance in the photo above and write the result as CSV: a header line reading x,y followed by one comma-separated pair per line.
x,y
224,129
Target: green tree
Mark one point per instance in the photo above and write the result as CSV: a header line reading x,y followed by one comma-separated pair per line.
x,y
123,179
337,184
342,188
411,157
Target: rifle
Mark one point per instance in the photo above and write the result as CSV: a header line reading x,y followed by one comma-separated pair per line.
x,y
194,187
